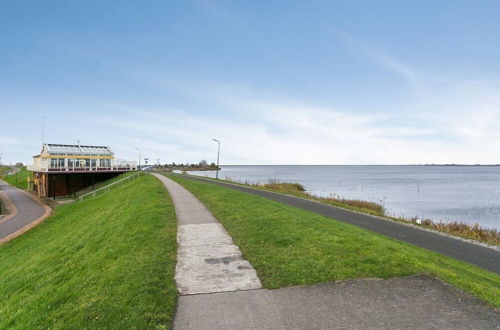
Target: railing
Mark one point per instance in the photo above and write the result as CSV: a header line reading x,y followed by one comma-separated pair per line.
x,y
108,187
81,169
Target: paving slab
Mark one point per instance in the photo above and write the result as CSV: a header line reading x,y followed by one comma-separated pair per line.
x,y
484,257
208,261
414,302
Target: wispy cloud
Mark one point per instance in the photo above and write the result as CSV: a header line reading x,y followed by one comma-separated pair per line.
x,y
456,123
268,131
389,62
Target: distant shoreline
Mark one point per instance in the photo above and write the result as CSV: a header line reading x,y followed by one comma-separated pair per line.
x,y
422,165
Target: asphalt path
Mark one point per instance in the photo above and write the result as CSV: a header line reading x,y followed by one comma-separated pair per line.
x,y
28,211
484,257
411,302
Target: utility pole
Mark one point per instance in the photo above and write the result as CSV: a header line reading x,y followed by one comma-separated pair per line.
x,y
218,153
43,130
139,157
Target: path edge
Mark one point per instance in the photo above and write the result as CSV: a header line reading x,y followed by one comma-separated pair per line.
x,y
19,232
9,206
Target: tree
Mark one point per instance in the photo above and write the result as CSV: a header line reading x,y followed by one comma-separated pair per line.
x,y
203,162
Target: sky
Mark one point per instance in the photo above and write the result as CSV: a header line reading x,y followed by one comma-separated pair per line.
x,y
277,82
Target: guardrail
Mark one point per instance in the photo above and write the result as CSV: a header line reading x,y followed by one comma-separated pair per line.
x,y
108,187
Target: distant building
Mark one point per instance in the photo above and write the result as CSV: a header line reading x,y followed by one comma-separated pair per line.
x,y
62,169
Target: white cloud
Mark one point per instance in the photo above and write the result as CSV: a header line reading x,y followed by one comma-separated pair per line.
x,y
389,62
458,124
453,123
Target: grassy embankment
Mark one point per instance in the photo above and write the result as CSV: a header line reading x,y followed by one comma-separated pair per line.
x,y
298,190
101,184
3,170
474,232
106,262
23,174
21,181
288,246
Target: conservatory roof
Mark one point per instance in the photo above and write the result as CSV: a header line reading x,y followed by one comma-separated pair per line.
x,y
75,149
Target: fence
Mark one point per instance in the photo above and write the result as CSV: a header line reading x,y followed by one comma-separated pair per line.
x,y
109,186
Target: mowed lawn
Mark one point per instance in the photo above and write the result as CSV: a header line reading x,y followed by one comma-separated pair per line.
x,y
19,180
288,246
106,262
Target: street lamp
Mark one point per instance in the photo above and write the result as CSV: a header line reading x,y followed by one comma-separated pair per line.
x,y
218,153
139,157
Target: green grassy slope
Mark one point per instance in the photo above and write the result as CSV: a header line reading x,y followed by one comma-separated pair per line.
x,y
106,262
22,175
3,169
104,183
288,246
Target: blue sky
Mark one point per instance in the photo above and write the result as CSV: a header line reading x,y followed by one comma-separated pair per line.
x,y
278,82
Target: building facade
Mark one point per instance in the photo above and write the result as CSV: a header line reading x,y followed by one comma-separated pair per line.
x,y
62,169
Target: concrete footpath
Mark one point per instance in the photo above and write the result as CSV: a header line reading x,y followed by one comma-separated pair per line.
x,y
25,212
207,259
484,257
220,290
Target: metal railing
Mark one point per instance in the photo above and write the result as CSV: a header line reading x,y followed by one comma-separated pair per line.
x,y
82,169
108,187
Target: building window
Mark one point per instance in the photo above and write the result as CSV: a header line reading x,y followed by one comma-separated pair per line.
x,y
71,162
87,162
61,162
105,163
93,162
53,163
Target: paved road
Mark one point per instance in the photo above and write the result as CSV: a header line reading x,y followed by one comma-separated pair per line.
x,y
28,211
483,257
414,302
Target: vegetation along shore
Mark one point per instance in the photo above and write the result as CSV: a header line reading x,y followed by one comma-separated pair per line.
x,y
474,232
288,246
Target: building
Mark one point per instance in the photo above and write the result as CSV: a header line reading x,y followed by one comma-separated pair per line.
x,y
62,169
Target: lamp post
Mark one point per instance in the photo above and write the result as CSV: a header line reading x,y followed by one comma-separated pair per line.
x,y
218,153
139,168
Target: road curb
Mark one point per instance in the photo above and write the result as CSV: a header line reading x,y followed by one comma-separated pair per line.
x,y
9,205
32,224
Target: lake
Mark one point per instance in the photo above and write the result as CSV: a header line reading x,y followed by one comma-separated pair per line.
x,y
463,193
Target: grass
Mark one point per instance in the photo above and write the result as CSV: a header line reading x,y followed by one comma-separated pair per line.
x,y
474,232
22,176
101,184
288,246
4,169
106,262
298,190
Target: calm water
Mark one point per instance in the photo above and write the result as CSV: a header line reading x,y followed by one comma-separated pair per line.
x,y
463,193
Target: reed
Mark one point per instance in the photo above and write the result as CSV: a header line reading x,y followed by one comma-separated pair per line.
x,y
474,232
298,189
